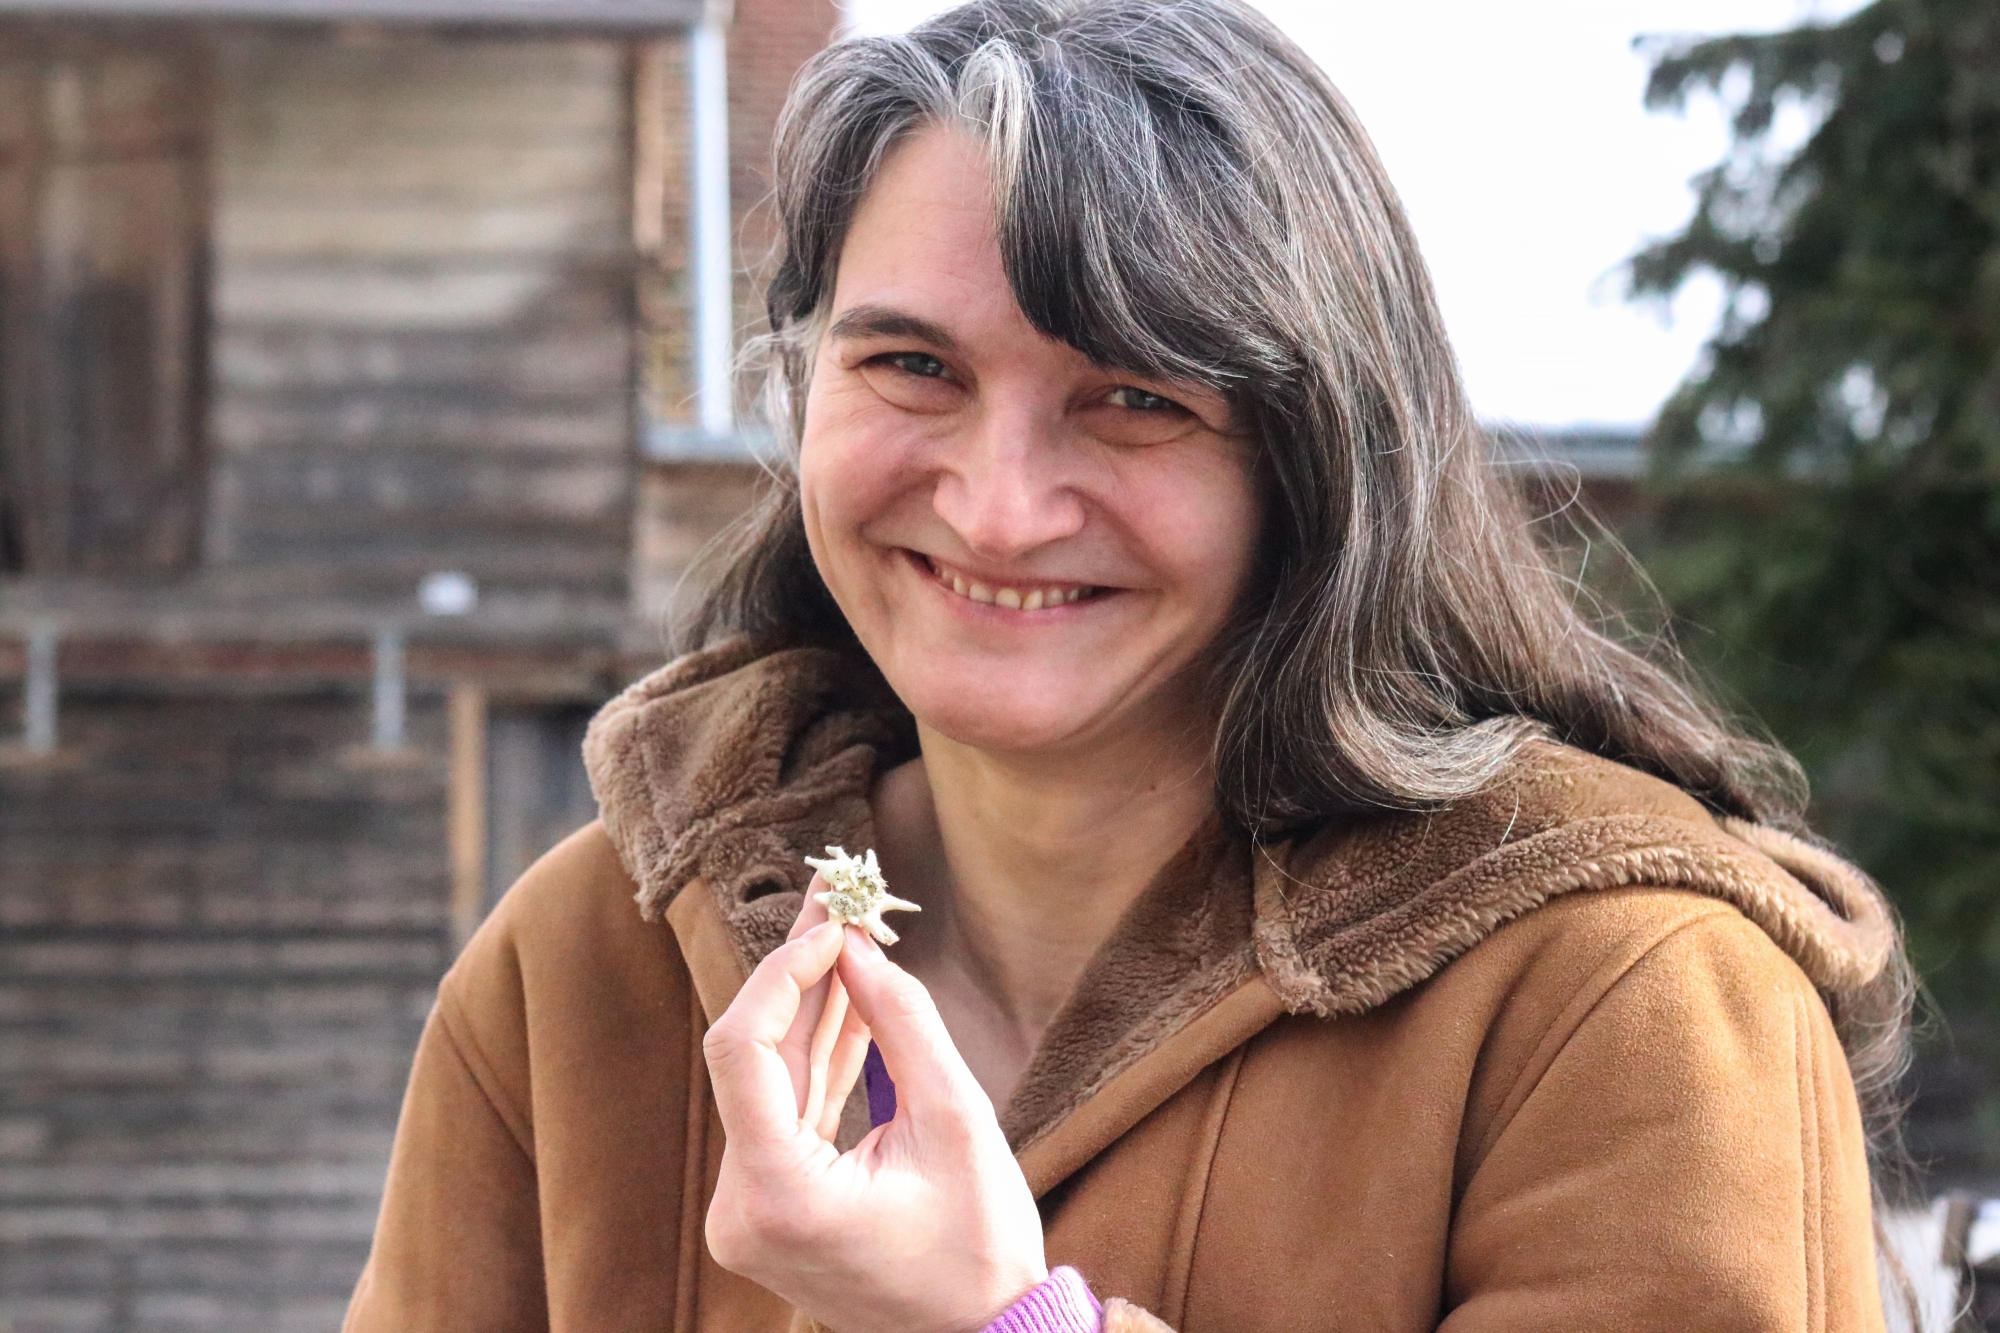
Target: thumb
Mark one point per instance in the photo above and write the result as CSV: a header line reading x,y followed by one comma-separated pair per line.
x,y
904,1022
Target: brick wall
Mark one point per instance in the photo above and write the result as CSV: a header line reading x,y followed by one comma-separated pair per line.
x,y
768,42
685,513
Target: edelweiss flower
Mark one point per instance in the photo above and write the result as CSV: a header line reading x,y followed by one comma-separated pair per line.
x,y
859,895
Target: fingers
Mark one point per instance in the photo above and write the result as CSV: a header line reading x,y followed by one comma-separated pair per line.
x,y
850,1051
904,1022
826,1033
756,1090
797,1048
812,911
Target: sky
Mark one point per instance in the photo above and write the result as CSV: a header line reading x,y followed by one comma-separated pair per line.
x,y
1517,134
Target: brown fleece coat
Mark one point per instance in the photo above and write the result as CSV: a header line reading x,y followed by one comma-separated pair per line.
x,y
1556,1058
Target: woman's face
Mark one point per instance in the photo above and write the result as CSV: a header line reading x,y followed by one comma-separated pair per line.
x,y
1035,550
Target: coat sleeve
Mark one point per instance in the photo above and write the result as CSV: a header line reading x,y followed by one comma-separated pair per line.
x,y
1685,1152
458,1243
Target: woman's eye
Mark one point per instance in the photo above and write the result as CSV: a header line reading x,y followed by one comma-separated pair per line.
x,y
1138,400
921,364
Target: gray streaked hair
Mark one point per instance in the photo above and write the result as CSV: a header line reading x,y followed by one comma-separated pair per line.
x,y
1183,195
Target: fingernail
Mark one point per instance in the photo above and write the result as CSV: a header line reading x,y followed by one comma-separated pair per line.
x,y
819,931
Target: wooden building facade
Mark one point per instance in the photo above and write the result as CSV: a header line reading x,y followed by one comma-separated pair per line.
x,y
351,452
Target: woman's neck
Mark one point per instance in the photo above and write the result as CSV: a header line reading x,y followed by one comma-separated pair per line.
x,y
1024,867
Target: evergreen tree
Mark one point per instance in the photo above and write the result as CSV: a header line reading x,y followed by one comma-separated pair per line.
x,y
1829,533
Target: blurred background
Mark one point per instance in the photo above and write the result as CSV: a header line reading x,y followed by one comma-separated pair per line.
x,y
366,401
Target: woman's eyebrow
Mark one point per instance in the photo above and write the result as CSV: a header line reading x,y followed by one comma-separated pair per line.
x,y
880,321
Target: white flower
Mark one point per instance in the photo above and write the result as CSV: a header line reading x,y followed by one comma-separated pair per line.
x,y
858,894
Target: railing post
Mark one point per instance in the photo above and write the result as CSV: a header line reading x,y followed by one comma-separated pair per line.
x,y
466,810
40,690
391,694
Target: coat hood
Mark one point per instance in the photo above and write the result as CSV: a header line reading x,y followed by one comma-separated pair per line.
x,y
727,768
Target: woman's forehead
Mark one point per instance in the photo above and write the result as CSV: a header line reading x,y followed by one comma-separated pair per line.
x,y
922,256
931,208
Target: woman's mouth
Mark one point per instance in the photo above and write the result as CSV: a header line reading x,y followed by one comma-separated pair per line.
x,y
1039,596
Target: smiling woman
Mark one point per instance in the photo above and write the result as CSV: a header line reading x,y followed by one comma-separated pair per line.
x,y
1321,923
956,464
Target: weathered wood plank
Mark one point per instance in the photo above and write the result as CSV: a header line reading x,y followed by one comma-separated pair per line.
x,y
507,558
561,360
20,89
219,945
684,509
557,489
117,432
447,293
221,921
423,311
495,117
19,366
342,226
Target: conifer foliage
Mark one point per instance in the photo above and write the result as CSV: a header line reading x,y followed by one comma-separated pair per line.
x,y
1830,531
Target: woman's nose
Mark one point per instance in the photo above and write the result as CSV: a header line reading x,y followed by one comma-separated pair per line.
x,y
1003,487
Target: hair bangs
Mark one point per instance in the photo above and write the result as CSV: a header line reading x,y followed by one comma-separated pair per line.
x,y
1112,230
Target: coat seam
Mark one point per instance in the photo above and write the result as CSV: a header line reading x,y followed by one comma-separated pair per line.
x,y
1537,1067
1812,1193
694,1176
466,1049
1180,1258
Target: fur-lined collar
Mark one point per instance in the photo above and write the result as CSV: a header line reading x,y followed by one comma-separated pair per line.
x,y
732,765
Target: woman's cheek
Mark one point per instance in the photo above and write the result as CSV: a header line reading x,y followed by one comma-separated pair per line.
x,y
834,462
848,425
860,473
1196,510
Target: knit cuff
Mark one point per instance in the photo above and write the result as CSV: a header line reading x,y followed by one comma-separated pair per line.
x,y
1061,1304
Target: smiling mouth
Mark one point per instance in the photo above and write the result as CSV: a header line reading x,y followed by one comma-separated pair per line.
x,y
1035,597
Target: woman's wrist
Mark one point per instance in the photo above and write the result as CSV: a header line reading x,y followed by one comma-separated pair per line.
x,y
1061,1303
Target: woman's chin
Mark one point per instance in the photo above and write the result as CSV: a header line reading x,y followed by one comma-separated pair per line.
x,y
982,730
1003,721
1059,699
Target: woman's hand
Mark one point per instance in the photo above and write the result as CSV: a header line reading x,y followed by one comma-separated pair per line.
x,y
926,1225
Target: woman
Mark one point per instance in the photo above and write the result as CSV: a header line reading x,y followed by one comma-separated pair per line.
x,y
1322,926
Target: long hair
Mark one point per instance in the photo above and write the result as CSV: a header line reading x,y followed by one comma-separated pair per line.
x,y
1183,195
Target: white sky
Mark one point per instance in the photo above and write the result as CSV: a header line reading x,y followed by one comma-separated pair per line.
x,y
1517,134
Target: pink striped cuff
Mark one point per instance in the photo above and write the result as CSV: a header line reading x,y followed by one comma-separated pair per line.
x,y
1061,1304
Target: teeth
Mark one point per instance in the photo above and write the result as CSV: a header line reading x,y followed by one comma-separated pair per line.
x,y
1013,599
